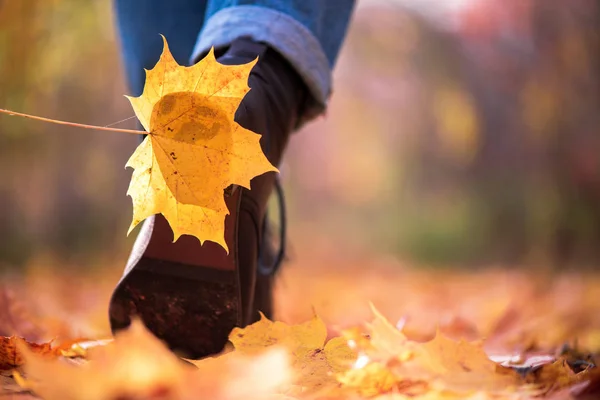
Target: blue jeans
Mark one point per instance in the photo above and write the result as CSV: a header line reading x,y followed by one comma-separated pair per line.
x,y
308,33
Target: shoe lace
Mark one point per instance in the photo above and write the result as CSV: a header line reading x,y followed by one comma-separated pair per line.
x,y
266,250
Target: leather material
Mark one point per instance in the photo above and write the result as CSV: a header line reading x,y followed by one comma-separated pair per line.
x,y
192,296
272,109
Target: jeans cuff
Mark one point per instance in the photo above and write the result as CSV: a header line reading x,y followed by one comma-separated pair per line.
x,y
281,32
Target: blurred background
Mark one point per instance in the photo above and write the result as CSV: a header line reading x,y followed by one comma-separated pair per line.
x,y
461,133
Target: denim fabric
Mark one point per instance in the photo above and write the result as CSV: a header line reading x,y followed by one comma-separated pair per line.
x,y
308,33
140,24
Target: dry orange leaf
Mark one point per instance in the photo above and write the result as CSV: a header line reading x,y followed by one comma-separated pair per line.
x,y
134,364
460,366
11,357
298,339
388,362
137,365
239,376
314,362
273,360
194,149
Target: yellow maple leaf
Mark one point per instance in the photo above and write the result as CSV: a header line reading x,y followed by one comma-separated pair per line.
x,y
297,338
459,366
194,149
314,361
392,362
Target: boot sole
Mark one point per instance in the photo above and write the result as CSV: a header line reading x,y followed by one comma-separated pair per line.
x,y
187,294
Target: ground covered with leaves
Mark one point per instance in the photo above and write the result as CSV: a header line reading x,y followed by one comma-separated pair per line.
x,y
355,328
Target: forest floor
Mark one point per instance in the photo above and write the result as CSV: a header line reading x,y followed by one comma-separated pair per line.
x,y
531,315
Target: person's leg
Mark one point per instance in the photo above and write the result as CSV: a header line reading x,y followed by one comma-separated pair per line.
x,y
308,35
188,295
140,24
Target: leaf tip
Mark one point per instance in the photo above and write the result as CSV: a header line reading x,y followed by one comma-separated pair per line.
x,y
134,223
211,54
165,44
263,317
314,311
374,310
224,246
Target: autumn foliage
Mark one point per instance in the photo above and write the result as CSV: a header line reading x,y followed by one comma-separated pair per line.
x,y
277,360
193,152
194,149
489,334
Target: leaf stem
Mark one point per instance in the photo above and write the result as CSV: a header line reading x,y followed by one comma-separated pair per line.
x,y
54,121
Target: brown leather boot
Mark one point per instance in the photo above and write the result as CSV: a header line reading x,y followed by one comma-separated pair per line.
x,y
192,296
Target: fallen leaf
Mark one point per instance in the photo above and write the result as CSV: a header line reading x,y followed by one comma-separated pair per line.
x,y
459,366
194,149
11,356
375,360
137,365
372,379
235,375
80,347
298,339
134,365
314,362
394,363
386,338
557,376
